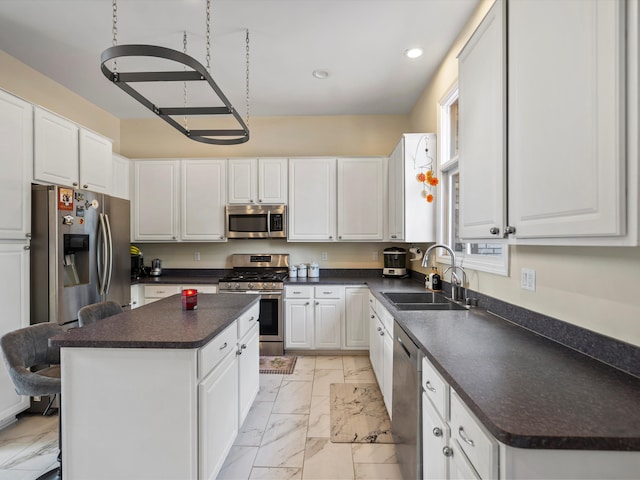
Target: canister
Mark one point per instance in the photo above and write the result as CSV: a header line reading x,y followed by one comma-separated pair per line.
x,y
314,270
302,270
293,271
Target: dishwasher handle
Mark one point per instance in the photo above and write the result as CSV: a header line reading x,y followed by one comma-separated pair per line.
x,y
406,350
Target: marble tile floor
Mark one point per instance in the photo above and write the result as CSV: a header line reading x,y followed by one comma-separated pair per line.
x,y
285,435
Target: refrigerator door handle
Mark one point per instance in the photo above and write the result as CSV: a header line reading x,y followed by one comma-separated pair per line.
x,y
109,244
102,257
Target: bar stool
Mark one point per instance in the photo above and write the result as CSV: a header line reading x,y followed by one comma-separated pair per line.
x,y
97,311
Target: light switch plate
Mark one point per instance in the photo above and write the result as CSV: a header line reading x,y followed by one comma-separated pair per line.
x,y
528,279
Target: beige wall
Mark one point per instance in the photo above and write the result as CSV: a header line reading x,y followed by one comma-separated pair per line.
x,y
36,88
595,288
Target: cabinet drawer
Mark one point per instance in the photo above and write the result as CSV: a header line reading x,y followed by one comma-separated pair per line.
x,y
479,446
214,351
248,320
202,288
385,317
329,291
435,388
298,292
160,291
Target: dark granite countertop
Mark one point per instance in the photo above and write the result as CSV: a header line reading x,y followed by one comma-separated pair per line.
x,y
529,391
161,324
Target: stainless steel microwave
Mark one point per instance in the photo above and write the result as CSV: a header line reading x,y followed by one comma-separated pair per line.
x,y
256,221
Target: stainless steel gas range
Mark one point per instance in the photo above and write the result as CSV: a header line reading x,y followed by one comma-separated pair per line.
x,y
262,274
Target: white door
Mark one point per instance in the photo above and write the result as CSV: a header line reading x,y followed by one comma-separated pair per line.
x,y
120,177
312,199
95,160
243,180
155,200
204,197
435,437
14,295
328,323
298,323
16,160
248,371
566,118
272,180
387,367
361,198
395,183
482,149
55,149
376,332
356,318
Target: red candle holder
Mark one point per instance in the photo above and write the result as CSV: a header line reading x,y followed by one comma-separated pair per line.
x,y
190,299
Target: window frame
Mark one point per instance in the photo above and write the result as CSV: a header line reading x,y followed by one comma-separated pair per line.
x,y
448,166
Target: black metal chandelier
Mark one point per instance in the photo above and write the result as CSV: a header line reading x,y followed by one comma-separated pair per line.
x,y
192,70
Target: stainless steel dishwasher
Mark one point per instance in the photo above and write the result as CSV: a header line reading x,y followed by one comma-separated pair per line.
x,y
406,415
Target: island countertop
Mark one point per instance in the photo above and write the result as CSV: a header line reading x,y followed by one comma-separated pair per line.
x,y
162,324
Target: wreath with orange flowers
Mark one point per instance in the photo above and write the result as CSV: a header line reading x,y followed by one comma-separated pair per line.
x,y
427,177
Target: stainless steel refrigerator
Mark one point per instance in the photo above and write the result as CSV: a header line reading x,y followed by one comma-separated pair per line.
x,y
79,252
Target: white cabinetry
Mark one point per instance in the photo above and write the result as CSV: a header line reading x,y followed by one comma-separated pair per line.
x,y
155,200
16,160
120,178
361,195
381,348
261,180
410,217
153,293
137,296
14,295
572,136
65,154
203,197
312,193
248,352
356,318
482,145
314,317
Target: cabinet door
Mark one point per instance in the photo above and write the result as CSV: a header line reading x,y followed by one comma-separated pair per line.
x,y
435,437
243,174
95,160
566,118
14,295
218,416
356,319
16,160
387,367
204,197
459,466
361,198
328,323
299,324
120,177
395,206
248,371
376,340
312,194
272,180
155,200
55,149
482,150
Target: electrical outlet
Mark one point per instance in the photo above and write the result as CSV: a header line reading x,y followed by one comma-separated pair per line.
x,y
196,256
324,256
528,279
375,256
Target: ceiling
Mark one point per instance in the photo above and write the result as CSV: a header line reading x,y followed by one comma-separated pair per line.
x,y
360,43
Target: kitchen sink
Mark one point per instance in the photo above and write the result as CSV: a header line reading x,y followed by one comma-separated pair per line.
x,y
421,301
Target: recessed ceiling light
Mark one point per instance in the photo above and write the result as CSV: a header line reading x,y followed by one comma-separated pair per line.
x,y
413,52
320,74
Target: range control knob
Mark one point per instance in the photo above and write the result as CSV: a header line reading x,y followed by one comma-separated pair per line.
x,y
250,286
237,286
228,285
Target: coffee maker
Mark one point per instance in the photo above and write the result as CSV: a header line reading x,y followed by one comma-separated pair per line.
x,y
137,266
395,262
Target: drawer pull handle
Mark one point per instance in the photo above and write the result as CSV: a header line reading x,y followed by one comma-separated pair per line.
x,y
379,328
223,346
430,387
381,333
437,432
447,451
297,293
307,303
373,316
252,318
243,346
327,293
464,437
238,352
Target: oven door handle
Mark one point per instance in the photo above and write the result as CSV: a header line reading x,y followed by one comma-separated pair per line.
x,y
269,223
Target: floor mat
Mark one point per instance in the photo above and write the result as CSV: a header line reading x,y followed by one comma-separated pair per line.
x,y
282,365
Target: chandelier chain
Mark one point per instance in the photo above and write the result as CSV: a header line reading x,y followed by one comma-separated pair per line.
x,y
114,29
247,75
209,36
184,84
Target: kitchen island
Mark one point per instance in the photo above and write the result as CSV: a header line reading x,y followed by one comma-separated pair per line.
x,y
158,392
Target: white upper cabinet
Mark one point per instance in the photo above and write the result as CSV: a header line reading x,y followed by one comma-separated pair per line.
x,y
16,160
95,162
410,217
258,180
566,118
361,195
121,177
65,154
312,194
55,149
204,197
155,200
482,149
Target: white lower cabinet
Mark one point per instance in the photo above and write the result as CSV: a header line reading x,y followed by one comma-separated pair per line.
x,y
356,318
381,348
154,293
314,317
248,353
435,442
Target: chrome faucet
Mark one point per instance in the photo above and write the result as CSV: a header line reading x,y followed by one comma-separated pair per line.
x,y
457,284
